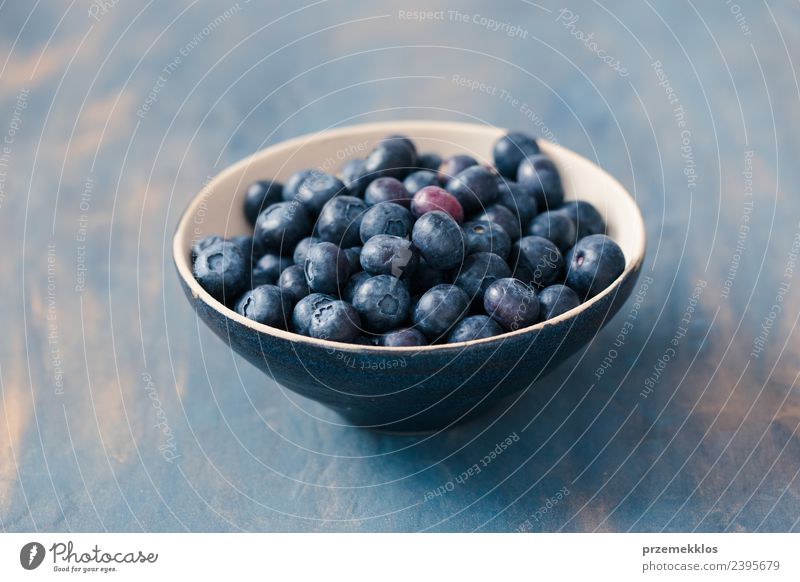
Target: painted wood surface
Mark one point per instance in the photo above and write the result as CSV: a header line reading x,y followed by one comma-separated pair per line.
x,y
121,412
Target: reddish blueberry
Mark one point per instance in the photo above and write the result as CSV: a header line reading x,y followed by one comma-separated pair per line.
x,y
432,198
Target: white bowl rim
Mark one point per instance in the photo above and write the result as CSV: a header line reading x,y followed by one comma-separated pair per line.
x,y
181,254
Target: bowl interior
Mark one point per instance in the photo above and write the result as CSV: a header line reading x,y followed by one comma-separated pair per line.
x,y
217,209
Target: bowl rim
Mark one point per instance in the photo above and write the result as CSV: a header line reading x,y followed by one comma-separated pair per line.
x,y
180,256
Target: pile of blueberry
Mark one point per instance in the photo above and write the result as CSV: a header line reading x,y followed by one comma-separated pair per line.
x,y
407,249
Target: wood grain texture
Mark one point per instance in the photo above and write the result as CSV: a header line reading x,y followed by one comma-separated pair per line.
x,y
121,412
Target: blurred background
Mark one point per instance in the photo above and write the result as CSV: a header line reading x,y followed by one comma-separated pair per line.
x,y
122,412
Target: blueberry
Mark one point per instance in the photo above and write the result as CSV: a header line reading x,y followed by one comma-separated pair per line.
x,y
399,138
301,250
439,309
260,195
426,277
350,170
454,165
385,254
268,268
335,321
352,176
248,246
317,189
386,218
479,271
419,179
555,300
432,198
429,161
593,264
301,316
555,226
539,175
499,214
585,216
293,283
221,269
266,304
406,337
439,240
340,220
474,327
353,256
387,190
281,226
475,188
382,303
326,268
292,185
517,199
204,243
391,159
536,261
487,237
352,284
511,303
364,340
510,150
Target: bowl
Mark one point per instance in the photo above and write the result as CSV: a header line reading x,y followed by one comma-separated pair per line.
x,y
404,389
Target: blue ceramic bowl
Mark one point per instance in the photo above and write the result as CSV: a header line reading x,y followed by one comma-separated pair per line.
x,y
402,389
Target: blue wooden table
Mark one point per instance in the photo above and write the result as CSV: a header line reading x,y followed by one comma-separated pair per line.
x,y
120,411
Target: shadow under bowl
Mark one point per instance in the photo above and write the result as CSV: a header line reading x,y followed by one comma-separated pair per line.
x,y
404,389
